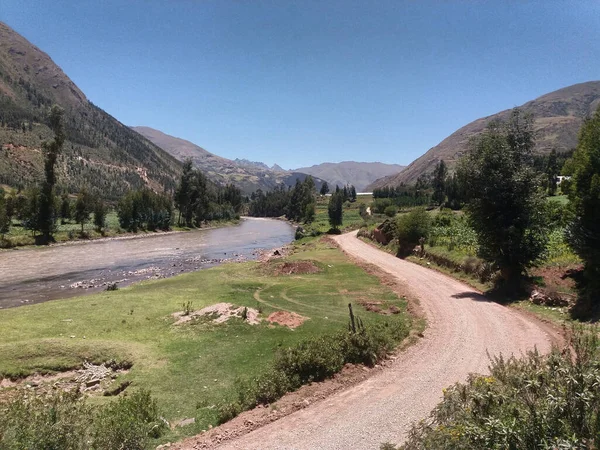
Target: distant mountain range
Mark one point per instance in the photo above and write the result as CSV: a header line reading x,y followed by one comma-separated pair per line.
x,y
100,153
557,119
358,174
247,175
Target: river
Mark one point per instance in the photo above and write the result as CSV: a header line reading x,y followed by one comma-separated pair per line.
x,y
39,274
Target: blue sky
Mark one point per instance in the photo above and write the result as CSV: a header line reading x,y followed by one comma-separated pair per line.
x,y
303,82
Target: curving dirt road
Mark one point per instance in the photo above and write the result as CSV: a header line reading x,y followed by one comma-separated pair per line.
x,y
462,328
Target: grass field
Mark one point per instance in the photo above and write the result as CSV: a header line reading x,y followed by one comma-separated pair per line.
x,y
189,368
351,218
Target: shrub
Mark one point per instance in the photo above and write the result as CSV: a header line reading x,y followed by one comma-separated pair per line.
x,y
390,211
411,227
63,420
128,423
539,401
314,359
380,204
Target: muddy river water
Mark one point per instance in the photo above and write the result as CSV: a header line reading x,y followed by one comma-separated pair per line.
x,y
40,274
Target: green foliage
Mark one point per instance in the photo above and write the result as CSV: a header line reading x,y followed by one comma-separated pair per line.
x,y
324,188
145,210
128,423
83,208
335,209
5,219
100,211
63,420
411,227
403,196
505,200
379,205
439,183
584,231
537,402
314,359
390,211
46,220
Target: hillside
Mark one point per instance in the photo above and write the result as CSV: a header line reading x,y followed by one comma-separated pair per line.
x,y
359,174
100,152
247,175
557,119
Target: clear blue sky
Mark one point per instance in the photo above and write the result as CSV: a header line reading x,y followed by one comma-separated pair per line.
x,y
307,81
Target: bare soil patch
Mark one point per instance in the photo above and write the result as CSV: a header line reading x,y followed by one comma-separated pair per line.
x,y
297,268
221,312
287,319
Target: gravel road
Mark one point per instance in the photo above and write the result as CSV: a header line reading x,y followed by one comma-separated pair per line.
x,y
462,328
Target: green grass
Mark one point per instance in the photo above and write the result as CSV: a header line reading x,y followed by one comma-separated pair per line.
x,y
195,364
351,218
562,199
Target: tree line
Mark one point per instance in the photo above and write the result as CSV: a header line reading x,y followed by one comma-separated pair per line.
x,y
504,187
39,207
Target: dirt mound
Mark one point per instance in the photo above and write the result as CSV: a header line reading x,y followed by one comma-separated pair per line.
x,y
287,319
222,312
297,267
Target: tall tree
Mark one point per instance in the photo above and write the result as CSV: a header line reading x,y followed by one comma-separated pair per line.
x,y
47,214
4,217
324,188
65,208
552,171
183,194
505,200
439,183
83,208
100,211
584,233
335,209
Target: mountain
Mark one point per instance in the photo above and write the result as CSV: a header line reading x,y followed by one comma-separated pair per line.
x,y
100,153
557,119
359,174
247,175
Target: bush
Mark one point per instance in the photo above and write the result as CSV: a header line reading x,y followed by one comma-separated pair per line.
x,y
314,359
390,211
380,204
63,420
539,401
128,423
411,227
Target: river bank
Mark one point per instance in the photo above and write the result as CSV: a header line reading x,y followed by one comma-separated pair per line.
x,y
39,274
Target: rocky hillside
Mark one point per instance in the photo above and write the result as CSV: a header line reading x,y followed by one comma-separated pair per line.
x,y
247,175
558,117
100,153
359,174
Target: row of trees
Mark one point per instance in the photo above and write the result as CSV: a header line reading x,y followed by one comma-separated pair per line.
x,y
297,203
505,195
199,200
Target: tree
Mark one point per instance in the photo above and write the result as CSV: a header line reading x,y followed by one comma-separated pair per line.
x,y
439,183
100,215
47,214
505,200
4,217
411,228
335,209
65,208
584,232
83,208
352,193
324,188
183,194
552,171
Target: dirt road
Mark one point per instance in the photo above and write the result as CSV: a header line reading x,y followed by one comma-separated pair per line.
x,y
462,328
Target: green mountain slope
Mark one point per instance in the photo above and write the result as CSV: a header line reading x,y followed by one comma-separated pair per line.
x,y
101,153
557,115
248,176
